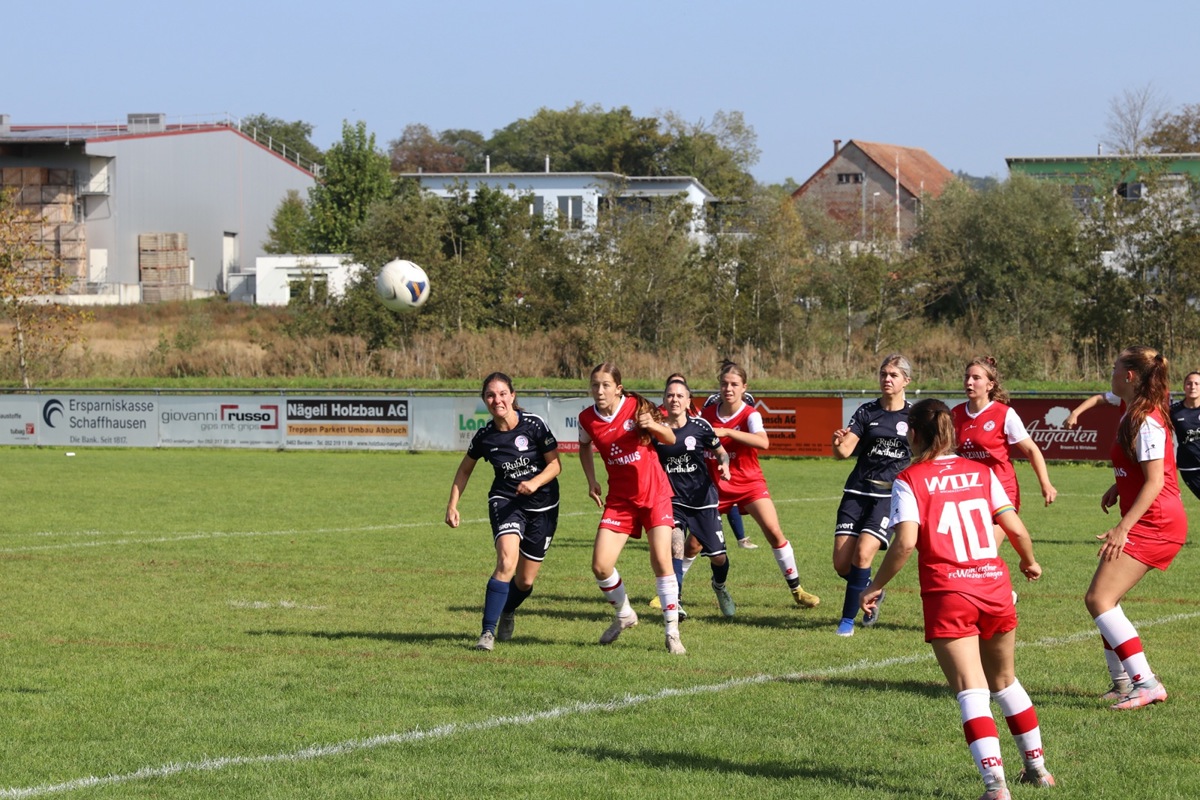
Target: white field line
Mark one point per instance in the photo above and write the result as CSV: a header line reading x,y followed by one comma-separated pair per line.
x,y
134,537
314,752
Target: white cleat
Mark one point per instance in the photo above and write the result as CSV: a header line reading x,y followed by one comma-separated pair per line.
x,y
619,624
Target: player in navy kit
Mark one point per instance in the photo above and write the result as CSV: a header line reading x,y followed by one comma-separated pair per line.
x,y
695,500
878,434
522,503
1185,419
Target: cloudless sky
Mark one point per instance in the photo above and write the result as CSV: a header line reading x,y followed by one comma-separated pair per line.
x,y
970,82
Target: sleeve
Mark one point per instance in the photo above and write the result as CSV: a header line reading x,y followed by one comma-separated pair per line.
x,y
476,450
858,421
546,442
754,422
1151,444
1112,399
1000,499
1014,428
904,503
708,439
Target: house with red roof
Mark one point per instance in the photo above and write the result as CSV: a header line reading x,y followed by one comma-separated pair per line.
x,y
875,190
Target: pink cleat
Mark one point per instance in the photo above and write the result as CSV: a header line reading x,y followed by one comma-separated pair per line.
x,y
1141,696
1036,776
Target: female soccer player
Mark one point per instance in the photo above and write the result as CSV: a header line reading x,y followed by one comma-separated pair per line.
x,y
522,503
732,514
985,426
743,435
695,501
877,432
944,506
620,425
1152,528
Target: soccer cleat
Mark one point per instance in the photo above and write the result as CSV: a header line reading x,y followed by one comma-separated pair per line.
x,y
674,646
845,627
1036,776
504,631
487,641
805,599
999,793
682,614
1141,696
871,617
619,624
746,544
1120,688
723,599
655,602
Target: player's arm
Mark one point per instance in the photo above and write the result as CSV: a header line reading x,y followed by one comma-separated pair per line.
x,y
549,472
1073,418
465,468
1031,451
588,465
722,462
1018,536
904,541
661,433
844,443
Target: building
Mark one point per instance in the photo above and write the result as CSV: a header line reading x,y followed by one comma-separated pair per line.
x,y
575,198
149,210
277,279
1124,175
876,188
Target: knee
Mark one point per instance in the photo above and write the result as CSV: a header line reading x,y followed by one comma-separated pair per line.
x,y
719,561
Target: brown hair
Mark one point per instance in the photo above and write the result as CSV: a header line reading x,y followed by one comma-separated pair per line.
x,y
1152,391
643,405
988,365
507,381
728,366
932,427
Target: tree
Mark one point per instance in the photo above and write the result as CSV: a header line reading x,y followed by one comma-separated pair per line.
x,y
1176,133
288,138
1130,118
719,152
289,227
355,175
29,271
419,150
580,139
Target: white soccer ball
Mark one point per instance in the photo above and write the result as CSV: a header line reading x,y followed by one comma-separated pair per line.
x,y
402,285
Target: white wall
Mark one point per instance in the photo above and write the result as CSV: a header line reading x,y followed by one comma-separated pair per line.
x,y
275,274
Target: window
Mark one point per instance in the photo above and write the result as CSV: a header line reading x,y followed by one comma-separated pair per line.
x,y
849,177
570,211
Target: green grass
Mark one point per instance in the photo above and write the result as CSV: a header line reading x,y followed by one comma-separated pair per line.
x,y
209,616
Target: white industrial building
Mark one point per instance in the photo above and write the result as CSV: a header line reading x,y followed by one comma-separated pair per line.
x,y
150,209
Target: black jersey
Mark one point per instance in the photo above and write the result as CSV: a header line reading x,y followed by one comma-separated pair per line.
x,y
517,455
1186,423
685,464
882,448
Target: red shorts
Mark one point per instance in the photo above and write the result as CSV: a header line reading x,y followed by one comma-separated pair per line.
x,y
744,495
952,615
1151,550
624,517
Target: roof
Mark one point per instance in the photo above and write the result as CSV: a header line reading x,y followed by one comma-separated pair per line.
x,y
920,173
631,181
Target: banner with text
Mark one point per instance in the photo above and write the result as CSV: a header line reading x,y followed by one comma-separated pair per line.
x,y
346,423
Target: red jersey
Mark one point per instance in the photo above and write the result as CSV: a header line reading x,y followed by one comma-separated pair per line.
x,y
634,474
745,474
954,501
985,438
1165,519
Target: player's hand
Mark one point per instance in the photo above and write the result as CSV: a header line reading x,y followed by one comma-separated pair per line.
x,y
723,471
839,435
452,517
526,488
645,419
1032,571
1109,499
594,493
869,599
1049,494
1071,421
1114,544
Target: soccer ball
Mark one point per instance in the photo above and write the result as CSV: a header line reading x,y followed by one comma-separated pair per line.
x,y
402,285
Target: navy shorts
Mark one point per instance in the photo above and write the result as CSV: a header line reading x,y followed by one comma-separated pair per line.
x,y
860,513
705,525
536,528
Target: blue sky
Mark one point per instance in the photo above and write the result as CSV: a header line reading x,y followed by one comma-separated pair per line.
x,y
970,82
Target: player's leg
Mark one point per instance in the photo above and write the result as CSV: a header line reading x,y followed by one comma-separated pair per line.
x,y
507,554
1020,716
866,547
739,528
605,551
1113,579
844,545
665,584
961,664
763,512
535,542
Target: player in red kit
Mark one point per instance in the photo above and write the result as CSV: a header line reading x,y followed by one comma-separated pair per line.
x,y
620,426
947,508
742,435
1153,524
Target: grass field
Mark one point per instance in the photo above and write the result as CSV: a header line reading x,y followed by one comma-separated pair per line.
x,y
198,624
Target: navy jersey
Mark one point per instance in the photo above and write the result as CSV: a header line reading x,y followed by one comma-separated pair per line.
x,y
685,464
517,455
882,448
1186,422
